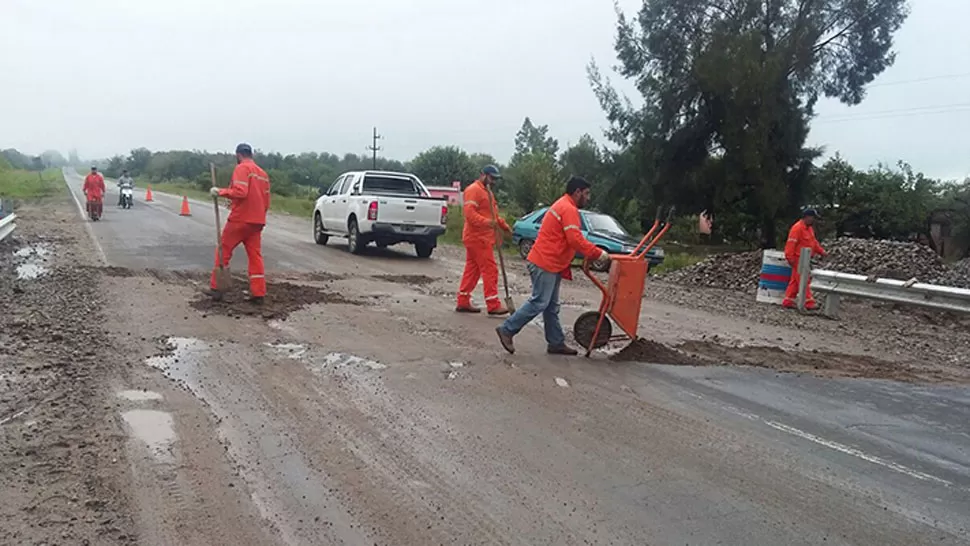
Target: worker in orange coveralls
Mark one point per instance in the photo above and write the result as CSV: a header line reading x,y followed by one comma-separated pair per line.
x,y
248,192
479,236
801,235
560,239
94,191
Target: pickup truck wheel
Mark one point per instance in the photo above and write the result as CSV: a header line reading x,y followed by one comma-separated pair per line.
x,y
354,244
423,250
525,246
319,236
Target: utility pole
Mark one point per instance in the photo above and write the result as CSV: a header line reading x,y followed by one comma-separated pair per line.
x,y
374,148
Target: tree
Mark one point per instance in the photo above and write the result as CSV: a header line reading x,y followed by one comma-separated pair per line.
x,y
138,161
442,165
729,89
532,139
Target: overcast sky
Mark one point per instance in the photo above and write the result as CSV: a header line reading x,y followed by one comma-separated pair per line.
x,y
105,76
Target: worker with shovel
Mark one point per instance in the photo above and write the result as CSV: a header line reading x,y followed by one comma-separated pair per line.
x,y
560,238
480,234
248,192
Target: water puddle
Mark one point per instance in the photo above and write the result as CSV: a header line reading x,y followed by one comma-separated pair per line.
x,y
139,396
29,271
343,360
291,350
155,428
33,255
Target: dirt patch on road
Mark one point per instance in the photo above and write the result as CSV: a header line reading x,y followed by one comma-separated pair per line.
x,y
644,350
822,364
819,363
282,299
415,280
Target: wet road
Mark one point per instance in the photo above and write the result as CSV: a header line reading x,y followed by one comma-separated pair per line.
x,y
401,423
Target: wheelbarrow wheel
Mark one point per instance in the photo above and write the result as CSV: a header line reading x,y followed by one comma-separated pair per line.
x,y
585,326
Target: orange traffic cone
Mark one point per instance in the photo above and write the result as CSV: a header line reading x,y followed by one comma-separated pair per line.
x,y
185,207
148,194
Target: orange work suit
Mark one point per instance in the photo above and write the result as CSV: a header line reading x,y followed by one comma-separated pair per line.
x,y
800,236
479,237
249,194
94,191
560,238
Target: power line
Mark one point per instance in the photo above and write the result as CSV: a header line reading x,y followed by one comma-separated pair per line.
x,y
374,147
924,79
897,113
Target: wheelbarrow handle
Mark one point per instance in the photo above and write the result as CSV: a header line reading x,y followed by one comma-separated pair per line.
x,y
593,278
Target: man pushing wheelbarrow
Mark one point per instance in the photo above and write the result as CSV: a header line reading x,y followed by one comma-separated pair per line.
x,y
557,243
94,191
560,238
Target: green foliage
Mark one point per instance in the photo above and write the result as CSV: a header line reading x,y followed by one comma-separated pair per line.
x,y
21,184
728,91
676,260
882,202
442,165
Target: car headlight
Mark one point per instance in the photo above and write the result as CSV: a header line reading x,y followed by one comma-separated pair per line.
x,y
626,249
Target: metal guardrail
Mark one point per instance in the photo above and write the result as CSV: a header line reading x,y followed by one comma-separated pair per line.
x,y
834,285
7,225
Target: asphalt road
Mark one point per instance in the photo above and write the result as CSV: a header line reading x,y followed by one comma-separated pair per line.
x,y
401,423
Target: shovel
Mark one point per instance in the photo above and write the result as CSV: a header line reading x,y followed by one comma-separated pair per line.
x,y
509,304
223,277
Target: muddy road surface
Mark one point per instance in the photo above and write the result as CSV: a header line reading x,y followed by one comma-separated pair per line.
x,y
367,412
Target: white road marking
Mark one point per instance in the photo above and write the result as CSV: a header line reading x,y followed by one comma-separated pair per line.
x,y
87,224
848,450
836,446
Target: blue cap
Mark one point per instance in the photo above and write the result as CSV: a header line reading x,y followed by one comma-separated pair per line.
x,y
810,212
491,170
244,149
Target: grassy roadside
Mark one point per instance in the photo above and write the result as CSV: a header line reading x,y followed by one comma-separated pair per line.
x,y
16,184
295,206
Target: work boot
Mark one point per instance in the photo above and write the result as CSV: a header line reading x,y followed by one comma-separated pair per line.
x,y
498,312
563,350
506,339
467,309
214,294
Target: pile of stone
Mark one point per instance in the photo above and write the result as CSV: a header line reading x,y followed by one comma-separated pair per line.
x,y
731,271
886,259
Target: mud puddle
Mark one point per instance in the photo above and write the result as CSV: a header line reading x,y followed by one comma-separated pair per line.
x,y
292,494
822,364
155,429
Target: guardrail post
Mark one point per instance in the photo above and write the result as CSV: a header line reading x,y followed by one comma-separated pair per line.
x,y
832,305
804,274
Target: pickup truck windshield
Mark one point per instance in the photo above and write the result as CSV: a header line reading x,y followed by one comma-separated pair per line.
x,y
391,185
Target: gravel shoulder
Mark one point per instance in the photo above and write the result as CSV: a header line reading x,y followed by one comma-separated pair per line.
x,y
63,473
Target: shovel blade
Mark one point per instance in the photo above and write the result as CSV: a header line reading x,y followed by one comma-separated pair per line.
x,y
223,279
510,305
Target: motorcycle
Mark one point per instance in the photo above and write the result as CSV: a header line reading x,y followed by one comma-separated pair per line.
x,y
127,198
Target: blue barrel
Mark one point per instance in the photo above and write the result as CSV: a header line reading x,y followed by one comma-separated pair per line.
x,y
775,274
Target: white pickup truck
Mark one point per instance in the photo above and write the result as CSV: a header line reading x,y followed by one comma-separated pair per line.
x,y
381,207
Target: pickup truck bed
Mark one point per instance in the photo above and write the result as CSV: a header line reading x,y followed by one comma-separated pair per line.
x,y
385,208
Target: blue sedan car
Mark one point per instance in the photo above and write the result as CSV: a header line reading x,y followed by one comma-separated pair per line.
x,y
601,229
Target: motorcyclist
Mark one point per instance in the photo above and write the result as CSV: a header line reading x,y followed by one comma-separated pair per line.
x,y
124,182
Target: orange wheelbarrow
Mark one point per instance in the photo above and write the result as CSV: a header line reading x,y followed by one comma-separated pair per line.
x,y
622,294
